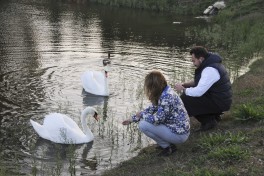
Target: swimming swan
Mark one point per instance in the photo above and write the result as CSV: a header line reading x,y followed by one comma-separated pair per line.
x,y
96,82
60,128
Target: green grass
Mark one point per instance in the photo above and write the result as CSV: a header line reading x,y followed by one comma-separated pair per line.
x,y
212,140
247,112
229,154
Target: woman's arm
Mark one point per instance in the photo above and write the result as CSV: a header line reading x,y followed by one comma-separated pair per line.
x,y
134,118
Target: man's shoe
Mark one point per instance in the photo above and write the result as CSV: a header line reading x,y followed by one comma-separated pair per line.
x,y
218,118
207,126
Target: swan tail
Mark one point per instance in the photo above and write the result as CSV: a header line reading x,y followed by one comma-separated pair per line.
x,y
35,124
40,130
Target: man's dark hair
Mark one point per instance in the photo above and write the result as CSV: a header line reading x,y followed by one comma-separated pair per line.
x,y
199,51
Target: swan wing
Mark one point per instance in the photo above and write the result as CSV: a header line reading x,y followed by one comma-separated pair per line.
x,y
95,82
63,129
57,120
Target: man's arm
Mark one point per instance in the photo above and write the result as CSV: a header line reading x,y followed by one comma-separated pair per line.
x,y
188,84
209,76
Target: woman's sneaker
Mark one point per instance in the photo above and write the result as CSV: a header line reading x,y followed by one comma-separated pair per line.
x,y
168,151
173,148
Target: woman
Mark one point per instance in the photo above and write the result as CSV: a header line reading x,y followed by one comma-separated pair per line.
x,y
166,120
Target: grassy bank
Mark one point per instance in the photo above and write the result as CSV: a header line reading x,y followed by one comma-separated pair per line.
x,y
233,148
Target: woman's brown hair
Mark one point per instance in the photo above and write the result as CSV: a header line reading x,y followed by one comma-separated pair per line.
x,y
154,84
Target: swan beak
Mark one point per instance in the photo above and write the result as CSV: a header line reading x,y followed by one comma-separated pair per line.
x,y
96,116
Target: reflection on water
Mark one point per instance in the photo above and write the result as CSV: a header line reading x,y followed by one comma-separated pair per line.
x,y
53,157
46,45
95,100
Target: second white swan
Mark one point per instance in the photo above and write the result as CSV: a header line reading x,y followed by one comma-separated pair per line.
x,y
60,128
96,82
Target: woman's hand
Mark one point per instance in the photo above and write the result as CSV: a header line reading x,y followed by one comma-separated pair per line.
x,y
126,122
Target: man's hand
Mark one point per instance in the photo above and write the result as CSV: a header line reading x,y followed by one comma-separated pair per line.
x,y
178,87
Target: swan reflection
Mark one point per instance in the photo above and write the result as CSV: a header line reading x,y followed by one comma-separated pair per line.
x,y
95,100
52,155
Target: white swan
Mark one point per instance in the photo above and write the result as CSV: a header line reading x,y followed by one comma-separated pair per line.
x,y
60,128
96,82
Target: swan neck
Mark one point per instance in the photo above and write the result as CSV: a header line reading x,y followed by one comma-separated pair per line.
x,y
86,130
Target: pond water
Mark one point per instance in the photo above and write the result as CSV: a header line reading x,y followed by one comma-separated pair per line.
x,y
45,47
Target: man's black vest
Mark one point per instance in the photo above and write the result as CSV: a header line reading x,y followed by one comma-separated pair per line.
x,y
220,91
